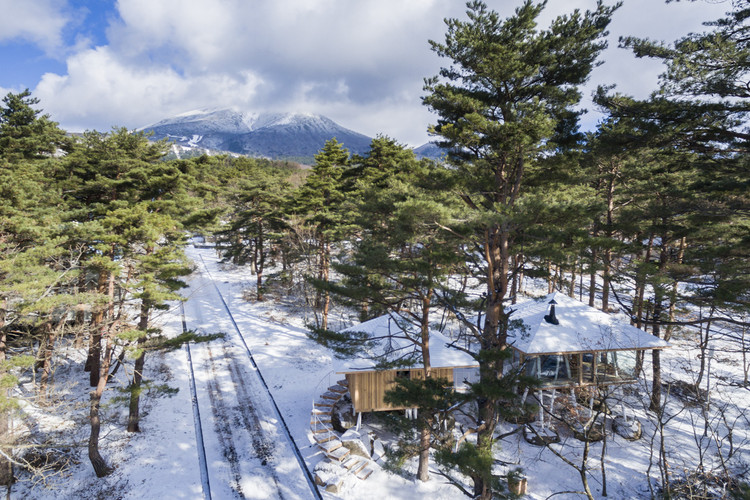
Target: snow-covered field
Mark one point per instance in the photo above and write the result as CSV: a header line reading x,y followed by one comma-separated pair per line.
x,y
249,456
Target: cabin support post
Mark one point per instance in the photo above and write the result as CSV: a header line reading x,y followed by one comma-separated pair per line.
x,y
594,375
580,368
541,410
552,402
359,420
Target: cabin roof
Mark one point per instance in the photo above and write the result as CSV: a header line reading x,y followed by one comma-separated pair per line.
x,y
390,344
581,328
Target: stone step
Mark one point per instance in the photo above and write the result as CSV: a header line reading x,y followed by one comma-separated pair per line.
x,y
338,454
324,437
340,389
364,473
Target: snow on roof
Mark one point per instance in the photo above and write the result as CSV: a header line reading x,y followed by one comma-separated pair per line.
x,y
390,336
581,328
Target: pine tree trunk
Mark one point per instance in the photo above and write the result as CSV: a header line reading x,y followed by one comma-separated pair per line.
x,y
673,295
573,277
607,257
259,262
98,463
494,338
514,282
550,278
592,279
423,473
641,283
135,391
93,363
326,296
47,361
6,441
425,438
140,361
39,358
655,404
80,314
659,295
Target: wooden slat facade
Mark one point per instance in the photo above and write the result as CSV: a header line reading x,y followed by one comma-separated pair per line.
x,y
367,389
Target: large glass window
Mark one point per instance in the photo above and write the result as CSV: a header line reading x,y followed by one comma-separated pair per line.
x,y
549,367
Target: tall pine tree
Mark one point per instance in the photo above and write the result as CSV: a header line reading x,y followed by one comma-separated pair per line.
x,y
506,97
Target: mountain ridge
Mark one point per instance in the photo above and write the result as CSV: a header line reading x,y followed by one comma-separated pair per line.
x,y
271,135
274,135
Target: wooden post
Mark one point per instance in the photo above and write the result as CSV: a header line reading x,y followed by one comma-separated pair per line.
x,y
594,367
580,368
541,410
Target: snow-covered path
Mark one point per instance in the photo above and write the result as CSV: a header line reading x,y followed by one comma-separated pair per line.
x,y
248,452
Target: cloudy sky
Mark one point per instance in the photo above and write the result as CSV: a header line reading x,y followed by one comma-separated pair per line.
x,y
95,64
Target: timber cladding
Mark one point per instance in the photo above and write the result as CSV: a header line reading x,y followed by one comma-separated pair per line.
x,y
367,389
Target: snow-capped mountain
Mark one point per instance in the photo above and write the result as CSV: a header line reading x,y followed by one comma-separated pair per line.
x,y
272,135
430,150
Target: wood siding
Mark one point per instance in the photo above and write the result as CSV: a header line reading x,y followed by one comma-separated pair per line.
x,y
367,389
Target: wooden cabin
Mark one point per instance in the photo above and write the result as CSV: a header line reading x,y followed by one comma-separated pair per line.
x,y
565,343
390,346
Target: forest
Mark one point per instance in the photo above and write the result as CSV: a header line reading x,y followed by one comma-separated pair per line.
x,y
647,214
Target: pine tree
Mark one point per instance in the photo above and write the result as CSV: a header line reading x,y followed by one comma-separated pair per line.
x,y
319,200
401,257
158,263
114,182
256,221
34,261
695,124
24,133
506,98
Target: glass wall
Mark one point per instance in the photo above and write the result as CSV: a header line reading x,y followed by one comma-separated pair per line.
x,y
555,367
569,369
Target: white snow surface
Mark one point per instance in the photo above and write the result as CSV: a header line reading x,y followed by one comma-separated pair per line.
x,y
391,343
238,121
162,460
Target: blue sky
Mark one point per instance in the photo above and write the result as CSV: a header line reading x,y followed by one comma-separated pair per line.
x,y
95,64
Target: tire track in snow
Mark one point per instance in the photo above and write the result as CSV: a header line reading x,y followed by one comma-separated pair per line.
x,y
262,446
283,425
222,424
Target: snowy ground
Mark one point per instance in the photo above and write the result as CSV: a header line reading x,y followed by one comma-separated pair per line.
x,y
248,455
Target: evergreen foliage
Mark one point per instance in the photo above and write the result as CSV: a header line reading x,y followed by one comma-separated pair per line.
x,y
654,203
506,98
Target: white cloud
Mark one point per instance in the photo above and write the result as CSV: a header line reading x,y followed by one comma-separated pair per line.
x,y
361,63
40,22
100,91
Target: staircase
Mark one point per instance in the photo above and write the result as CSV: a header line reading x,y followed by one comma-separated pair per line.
x,y
327,439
